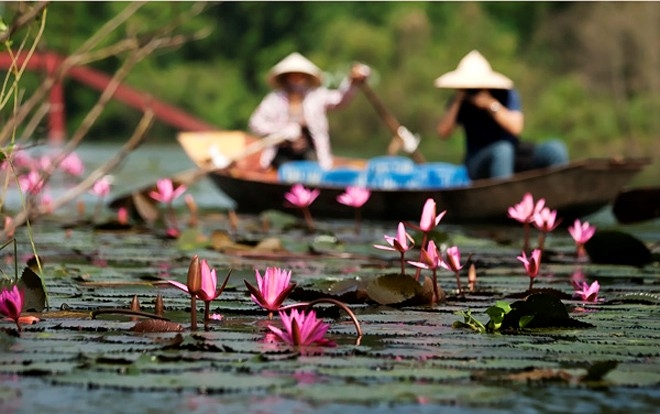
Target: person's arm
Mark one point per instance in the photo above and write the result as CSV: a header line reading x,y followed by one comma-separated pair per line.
x,y
447,123
348,88
511,120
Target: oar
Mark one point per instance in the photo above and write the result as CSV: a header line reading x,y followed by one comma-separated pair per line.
x,y
637,204
397,142
138,200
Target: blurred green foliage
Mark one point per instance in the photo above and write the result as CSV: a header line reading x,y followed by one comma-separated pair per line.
x,y
601,98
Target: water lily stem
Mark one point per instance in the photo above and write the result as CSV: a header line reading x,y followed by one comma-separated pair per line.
x,y
458,283
357,221
207,314
172,214
436,292
193,313
541,241
422,246
526,236
308,218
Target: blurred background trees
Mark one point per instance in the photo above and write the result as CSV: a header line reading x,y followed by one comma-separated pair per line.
x,y
587,72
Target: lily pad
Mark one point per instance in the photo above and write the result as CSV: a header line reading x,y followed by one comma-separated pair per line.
x,y
395,289
617,247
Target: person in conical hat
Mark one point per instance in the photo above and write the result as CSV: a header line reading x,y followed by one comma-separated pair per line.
x,y
296,109
488,108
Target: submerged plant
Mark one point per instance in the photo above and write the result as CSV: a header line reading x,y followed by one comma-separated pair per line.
x,y
398,243
355,197
532,265
272,289
302,329
302,198
496,314
11,304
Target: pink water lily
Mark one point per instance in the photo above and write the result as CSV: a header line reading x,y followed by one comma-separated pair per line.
x,y
166,192
208,288
532,264
203,281
101,187
31,183
525,210
398,243
11,304
453,261
546,220
302,329
272,289
453,264
429,219
72,165
430,258
301,197
354,196
587,292
581,233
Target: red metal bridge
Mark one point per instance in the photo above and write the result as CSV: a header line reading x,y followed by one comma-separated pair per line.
x,y
50,63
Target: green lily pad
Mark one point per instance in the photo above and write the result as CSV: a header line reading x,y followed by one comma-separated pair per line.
x,y
395,289
204,381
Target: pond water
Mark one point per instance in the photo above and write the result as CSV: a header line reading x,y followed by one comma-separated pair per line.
x,y
411,358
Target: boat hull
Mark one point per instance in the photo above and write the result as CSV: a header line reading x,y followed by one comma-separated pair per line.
x,y
578,189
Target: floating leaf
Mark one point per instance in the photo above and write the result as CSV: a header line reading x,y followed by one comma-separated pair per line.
x,y
33,287
617,247
393,289
156,325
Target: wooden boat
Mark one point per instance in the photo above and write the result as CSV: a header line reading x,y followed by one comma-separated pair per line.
x,y
575,190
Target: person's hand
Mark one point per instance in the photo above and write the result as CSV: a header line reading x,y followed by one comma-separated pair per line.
x,y
360,72
483,100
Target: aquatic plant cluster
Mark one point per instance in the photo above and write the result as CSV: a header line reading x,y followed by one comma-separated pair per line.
x,y
272,289
300,325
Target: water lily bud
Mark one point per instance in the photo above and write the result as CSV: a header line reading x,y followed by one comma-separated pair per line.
x,y
159,307
135,306
194,276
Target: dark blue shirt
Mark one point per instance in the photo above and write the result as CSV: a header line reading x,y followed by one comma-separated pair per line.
x,y
480,128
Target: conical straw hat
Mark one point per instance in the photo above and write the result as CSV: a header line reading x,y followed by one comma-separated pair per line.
x,y
294,63
473,72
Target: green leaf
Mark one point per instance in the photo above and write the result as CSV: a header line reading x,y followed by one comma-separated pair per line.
x,y
33,287
524,320
393,288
